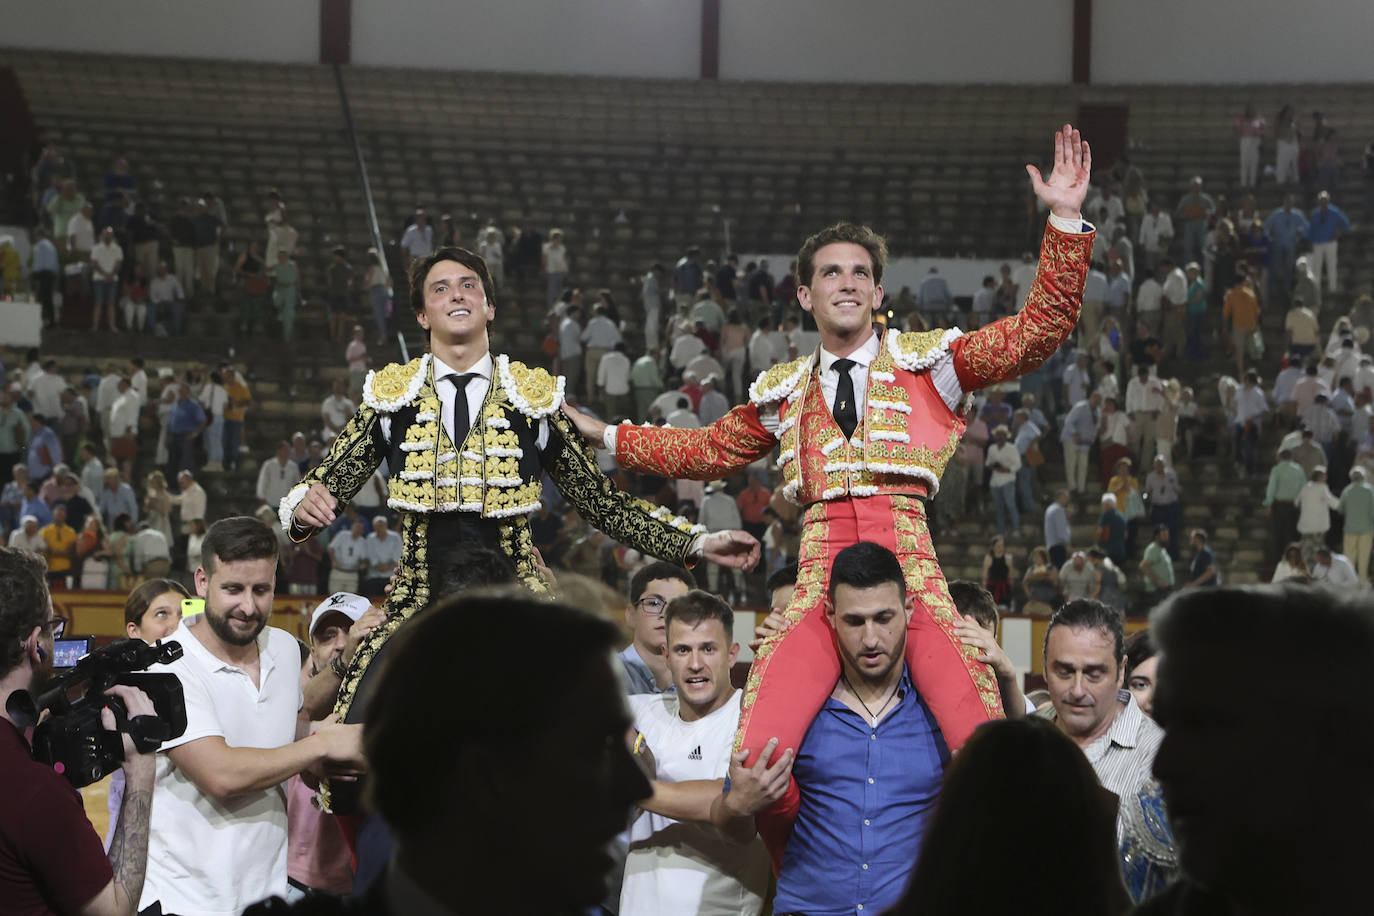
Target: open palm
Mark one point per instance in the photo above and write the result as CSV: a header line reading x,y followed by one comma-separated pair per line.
x,y
1064,190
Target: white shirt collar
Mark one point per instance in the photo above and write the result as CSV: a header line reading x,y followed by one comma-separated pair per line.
x,y
482,367
862,356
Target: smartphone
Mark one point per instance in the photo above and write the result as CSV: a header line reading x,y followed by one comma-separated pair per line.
x,y
67,652
192,606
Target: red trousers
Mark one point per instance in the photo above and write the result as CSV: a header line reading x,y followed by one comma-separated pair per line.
x,y
795,671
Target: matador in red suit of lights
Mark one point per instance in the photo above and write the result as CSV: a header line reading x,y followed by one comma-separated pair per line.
x,y
911,390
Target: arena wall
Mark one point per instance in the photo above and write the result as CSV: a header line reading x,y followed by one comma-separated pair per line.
x,y
285,31
884,41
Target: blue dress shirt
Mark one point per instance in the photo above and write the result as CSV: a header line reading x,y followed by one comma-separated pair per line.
x,y
865,796
1326,225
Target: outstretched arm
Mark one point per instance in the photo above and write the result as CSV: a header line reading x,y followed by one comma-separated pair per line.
x,y
734,441
632,521
1019,343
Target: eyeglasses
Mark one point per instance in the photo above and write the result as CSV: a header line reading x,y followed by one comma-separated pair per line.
x,y
57,626
652,605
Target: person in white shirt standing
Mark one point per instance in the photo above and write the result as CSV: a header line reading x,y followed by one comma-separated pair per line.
x,y
1156,232
217,841
677,868
599,337
1174,290
613,380
106,257
1251,407
1004,461
46,392
1315,502
1149,298
720,512
278,475
651,294
336,410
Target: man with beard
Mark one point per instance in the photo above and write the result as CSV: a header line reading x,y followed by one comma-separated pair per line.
x,y
218,833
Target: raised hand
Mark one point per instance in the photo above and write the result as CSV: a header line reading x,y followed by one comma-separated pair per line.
x,y
1064,190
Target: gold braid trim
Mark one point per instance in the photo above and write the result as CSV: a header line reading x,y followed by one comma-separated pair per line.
x,y
624,518
734,441
1012,346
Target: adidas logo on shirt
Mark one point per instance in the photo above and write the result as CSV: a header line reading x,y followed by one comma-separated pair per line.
x,y
695,754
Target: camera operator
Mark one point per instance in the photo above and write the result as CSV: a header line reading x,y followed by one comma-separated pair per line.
x,y
51,858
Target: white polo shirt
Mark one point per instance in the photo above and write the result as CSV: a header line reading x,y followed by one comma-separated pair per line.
x,y
684,869
203,857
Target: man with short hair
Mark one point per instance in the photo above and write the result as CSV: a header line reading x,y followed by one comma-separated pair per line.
x,y
383,552
1286,480
114,499
599,337
1058,535
687,277
1203,567
1084,662
190,500
1077,577
278,475
1243,847
1080,429
1334,571
684,868
185,423
1162,493
1004,461
218,794
647,381
862,486
978,629
1284,226
44,451
1158,567
166,301
467,435
643,660
336,410
150,555
51,859
875,831
347,554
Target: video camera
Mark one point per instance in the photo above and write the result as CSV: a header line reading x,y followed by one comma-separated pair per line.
x,y
72,739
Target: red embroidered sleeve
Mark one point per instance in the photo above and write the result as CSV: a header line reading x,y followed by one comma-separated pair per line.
x,y
732,442
1017,344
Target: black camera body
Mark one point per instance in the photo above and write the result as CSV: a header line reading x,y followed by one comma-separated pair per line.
x,y
72,739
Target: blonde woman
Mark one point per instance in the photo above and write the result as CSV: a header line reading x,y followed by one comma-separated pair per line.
x,y
157,504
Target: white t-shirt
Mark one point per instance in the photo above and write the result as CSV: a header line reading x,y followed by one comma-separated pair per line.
x,y
556,258
684,869
213,859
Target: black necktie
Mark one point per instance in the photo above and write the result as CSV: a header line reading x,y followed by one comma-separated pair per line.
x,y
461,423
846,411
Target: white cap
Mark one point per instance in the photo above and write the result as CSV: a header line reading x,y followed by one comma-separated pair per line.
x,y
350,605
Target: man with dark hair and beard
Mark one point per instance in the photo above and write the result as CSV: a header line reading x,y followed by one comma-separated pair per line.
x,y
218,833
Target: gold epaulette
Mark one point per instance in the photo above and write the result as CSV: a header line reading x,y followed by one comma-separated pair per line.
x,y
534,392
917,350
395,385
777,383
